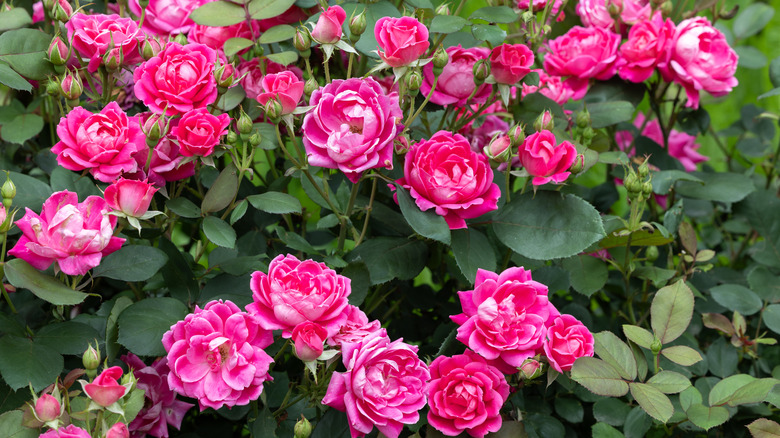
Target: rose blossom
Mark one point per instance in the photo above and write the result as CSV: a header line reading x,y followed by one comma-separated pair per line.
x,y
538,5
401,41
69,431
456,81
445,174
166,17
584,53
510,62
251,74
47,408
75,235
283,86
646,47
465,394
93,35
199,131
130,197
118,430
595,13
681,145
352,126
699,58
355,328
104,143
105,390
216,355
504,317
166,164
177,80
545,160
567,340
384,385
557,89
296,291
308,338
215,36
161,407
328,28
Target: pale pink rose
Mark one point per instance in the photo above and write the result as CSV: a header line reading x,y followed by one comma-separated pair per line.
x,y
384,385
296,291
105,390
94,35
118,430
699,58
456,81
308,338
130,197
556,88
251,74
545,160
401,41
284,86
216,355
328,28
177,80
584,53
199,131
681,145
38,14
75,235
510,62
69,431
355,328
646,47
47,408
567,340
465,394
161,408
166,17
504,317
635,11
215,36
445,174
352,126
595,13
103,143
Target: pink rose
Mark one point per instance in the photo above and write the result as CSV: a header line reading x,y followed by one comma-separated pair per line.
x,y
104,143
596,13
456,81
384,385
328,28
38,14
75,235
251,74
510,62
681,145
69,431
283,86
465,394
177,80
47,408
308,338
166,164
544,160
538,5
401,41
199,131
94,35
504,317
355,328
699,58
645,48
216,355
130,197
584,53
480,137
215,36
105,390
297,291
567,340
118,430
445,174
352,126
166,17
556,88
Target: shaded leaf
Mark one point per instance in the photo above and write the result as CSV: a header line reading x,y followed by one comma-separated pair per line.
x,y
132,263
25,363
45,287
219,232
142,325
425,223
472,251
616,353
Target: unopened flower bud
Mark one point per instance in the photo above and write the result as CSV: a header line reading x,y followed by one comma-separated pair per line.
x,y
666,8
414,80
113,59
614,10
517,135
546,29
401,144
647,189
154,129
143,3
310,85
255,139
62,11
544,122
225,75
651,253
530,369
578,165
91,358
499,149
244,123
47,408
643,171
302,428
440,58
151,47
357,25
443,9
71,86
302,39
273,109
656,346
588,133
232,138
8,191
53,87
180,39
481,71
58,51
632,184
583,119
527,16
118,430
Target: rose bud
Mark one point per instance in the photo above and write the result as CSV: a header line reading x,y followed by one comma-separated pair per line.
x,y
308,338
302,39
47,408
131,197
58,51
71,86
544,122
510,62
328,28
414,80
118,430
530,369
150,48
357,25
105,390
302,428
401,41
517,135
499,149
244,123
225,75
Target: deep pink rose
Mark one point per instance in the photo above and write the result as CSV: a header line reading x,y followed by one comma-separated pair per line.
x,y
199,131
700,58
567,340
47,408
308,338
384,385
545,160
284,86
595,13
681,145
166,164
105,390
129,196
538,5
584,53
556,88
104,143
355,328
166,17
38,14
215,36
161,408
216,355
401,41
75,235
297,291
480,137
504,317
510,62
456,81
445,174
465,394
118,430
177,80
328,28
93,35
69,431
251,74
646,47
352,126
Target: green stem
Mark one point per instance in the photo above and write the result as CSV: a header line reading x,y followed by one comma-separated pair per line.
x,y
343,219
368,213
409,120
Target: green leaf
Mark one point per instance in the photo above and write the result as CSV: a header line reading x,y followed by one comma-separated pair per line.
x,y
605,114
283,58
612,411
721,187
671,311
67,337
664,180
653,401
764,428
736,297
774,72
360,281
750,57
231,99
472,251
332,425
707,417
682,355
722,358
276,203
183,207
598,377
638,238
616,353
367,44
488,32
752,19
762,209
142,325
112,328
295,241
587,274
14,19
637,423
45,287
25,51
222,191
772,317
177,274
387,258
25,127
262,9
25,363
495,14
219,232
12,79
421,4
725,389
604,430
11,426
237,44
63,179
264,425
548,226
425,223
132,263
446,24
569,409
669,382
282,32
754,392
218,13
238,211
689,397
770,93
765,284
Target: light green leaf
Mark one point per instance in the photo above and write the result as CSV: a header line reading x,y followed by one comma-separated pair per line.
x,y
669,382
142,325
671,311
276,203
14,19
283,58
752,19
754,392
45,287
682,355
725,389
616,353
12,79
488,32
219,232
278,33
664,180
689,397
11,426
262,9
605,114
495,14
25,51
598,377
604,430
707,417
764,428
183,207
237,44
218,13
720,186
653,401
446,24
425,223
132,263
25,127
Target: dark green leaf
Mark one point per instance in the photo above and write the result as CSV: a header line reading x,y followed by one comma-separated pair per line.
x,y
112,329
387,258
11,426
12,79
721,187
374,11
142,325
63,179
275,202
25,363
222,191
488,32
587,274
752,19
671,311
495,14
736,297
604,430
611,411
25,51
447,24
178,275
219,232
653,401
332,425
774,72
45,287
361,281
264,425
66,337
278,33
569,409
722,358
605,114
426,223
132,263
472,251
762,209
664,180
183,207
218,13
637,423
772,317
598,377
